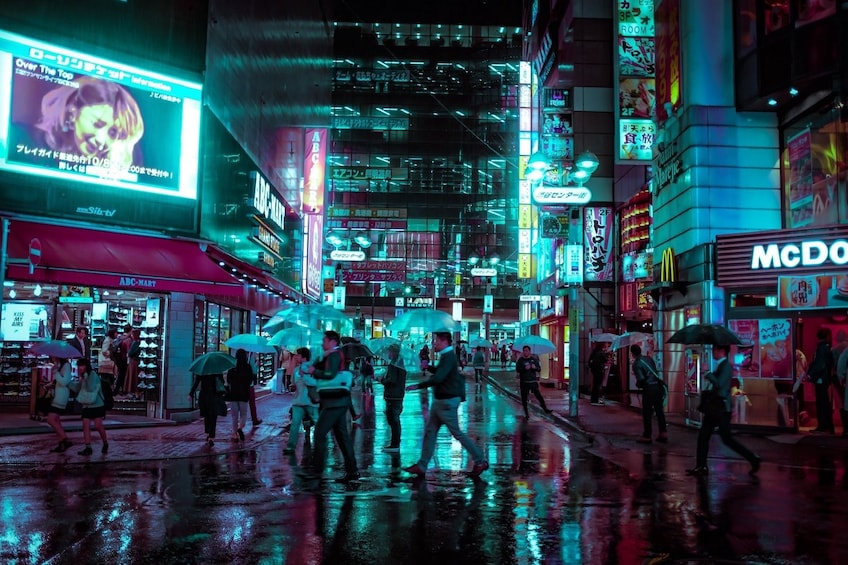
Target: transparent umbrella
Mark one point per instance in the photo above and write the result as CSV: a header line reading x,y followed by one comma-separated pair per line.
x,y
251,343
424,319
297,336
479,342
630,338
379,343
537,344
319,317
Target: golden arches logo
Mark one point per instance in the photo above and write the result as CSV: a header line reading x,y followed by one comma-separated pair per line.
x,y
668,266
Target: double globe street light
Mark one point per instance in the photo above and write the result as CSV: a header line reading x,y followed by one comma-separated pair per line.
x,y
584,166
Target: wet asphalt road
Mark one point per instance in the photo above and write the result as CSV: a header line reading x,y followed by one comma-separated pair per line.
x,y
549,497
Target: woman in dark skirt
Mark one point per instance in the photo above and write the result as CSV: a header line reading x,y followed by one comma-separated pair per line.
x,y
94,412
208,402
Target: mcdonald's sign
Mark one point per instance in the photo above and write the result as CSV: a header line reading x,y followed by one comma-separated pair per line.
x,y
668,266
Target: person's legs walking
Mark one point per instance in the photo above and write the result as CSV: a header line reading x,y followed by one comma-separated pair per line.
x,y
597,379
294,429
252,401
708,424
731,442
647,413
824,409
538,394
431,431
524,392
451,421
326,420
393,412
342,436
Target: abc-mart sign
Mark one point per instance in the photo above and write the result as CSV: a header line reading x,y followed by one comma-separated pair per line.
x,y
811,253
563,195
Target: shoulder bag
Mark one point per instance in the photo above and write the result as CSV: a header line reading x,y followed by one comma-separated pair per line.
x,y
336,387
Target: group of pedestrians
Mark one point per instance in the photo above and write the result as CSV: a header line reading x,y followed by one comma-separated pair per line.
x,y
215,391
317,398
88,387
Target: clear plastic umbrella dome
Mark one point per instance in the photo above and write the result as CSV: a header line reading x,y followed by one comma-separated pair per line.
x,y
295,337
537,344
425,319
251,343
318,317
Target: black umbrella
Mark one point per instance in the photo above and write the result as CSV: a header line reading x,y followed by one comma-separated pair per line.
x,y
352,348
705,334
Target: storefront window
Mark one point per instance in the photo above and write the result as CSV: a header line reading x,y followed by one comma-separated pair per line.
x,y
815,169
34,312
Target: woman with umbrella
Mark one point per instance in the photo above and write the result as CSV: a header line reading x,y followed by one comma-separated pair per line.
x,y
62,377
208,373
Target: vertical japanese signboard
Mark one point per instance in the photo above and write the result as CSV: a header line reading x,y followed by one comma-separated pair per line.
x,y
637,90
598,240
669,67
315,155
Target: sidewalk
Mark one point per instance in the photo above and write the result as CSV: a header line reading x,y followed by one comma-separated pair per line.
x,y
135,438
619,426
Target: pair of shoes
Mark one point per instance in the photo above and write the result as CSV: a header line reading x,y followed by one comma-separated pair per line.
x,y
478,468
59,448
105,449
257,422
240,434
86,451
755,465
597,403
210,442
347,477
697,472
643,440
548,410
288,451
662,438
415,469
391,449
356,417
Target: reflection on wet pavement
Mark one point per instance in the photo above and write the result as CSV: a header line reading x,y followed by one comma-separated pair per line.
x,y
549,497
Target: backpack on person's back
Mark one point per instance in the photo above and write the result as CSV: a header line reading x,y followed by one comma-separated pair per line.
x,y
118,349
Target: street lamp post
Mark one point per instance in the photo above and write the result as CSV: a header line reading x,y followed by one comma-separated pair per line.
x,y
584,165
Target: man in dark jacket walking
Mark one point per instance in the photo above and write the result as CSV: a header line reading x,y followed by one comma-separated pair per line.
x,y
597,366
528,367
394,383
653,393
333,412
820,372
448,391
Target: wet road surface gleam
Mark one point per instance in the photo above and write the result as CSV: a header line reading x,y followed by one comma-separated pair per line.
x,y
549,497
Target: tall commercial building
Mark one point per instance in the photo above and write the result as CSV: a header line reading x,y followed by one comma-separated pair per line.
x,y
423,159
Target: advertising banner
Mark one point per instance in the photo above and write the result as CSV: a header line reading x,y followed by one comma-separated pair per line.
x,y
598,240
312,284
24,322
776,349
314,170
74,116
748,354
800,179
635,72
669,66
812,292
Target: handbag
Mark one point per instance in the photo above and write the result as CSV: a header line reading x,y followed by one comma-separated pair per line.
x,y
87,397
220,406
711,402
336,387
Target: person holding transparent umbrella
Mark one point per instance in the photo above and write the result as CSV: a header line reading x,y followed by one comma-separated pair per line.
x,y
62,376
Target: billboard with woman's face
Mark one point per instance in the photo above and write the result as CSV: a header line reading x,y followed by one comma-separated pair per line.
x,y
70,116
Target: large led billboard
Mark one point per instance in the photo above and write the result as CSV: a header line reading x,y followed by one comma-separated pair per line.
x,y
71,116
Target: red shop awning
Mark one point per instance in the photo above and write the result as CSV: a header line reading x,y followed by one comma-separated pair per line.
x,y
98,258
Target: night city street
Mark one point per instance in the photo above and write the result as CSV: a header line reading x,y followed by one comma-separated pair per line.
x,y
551,496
